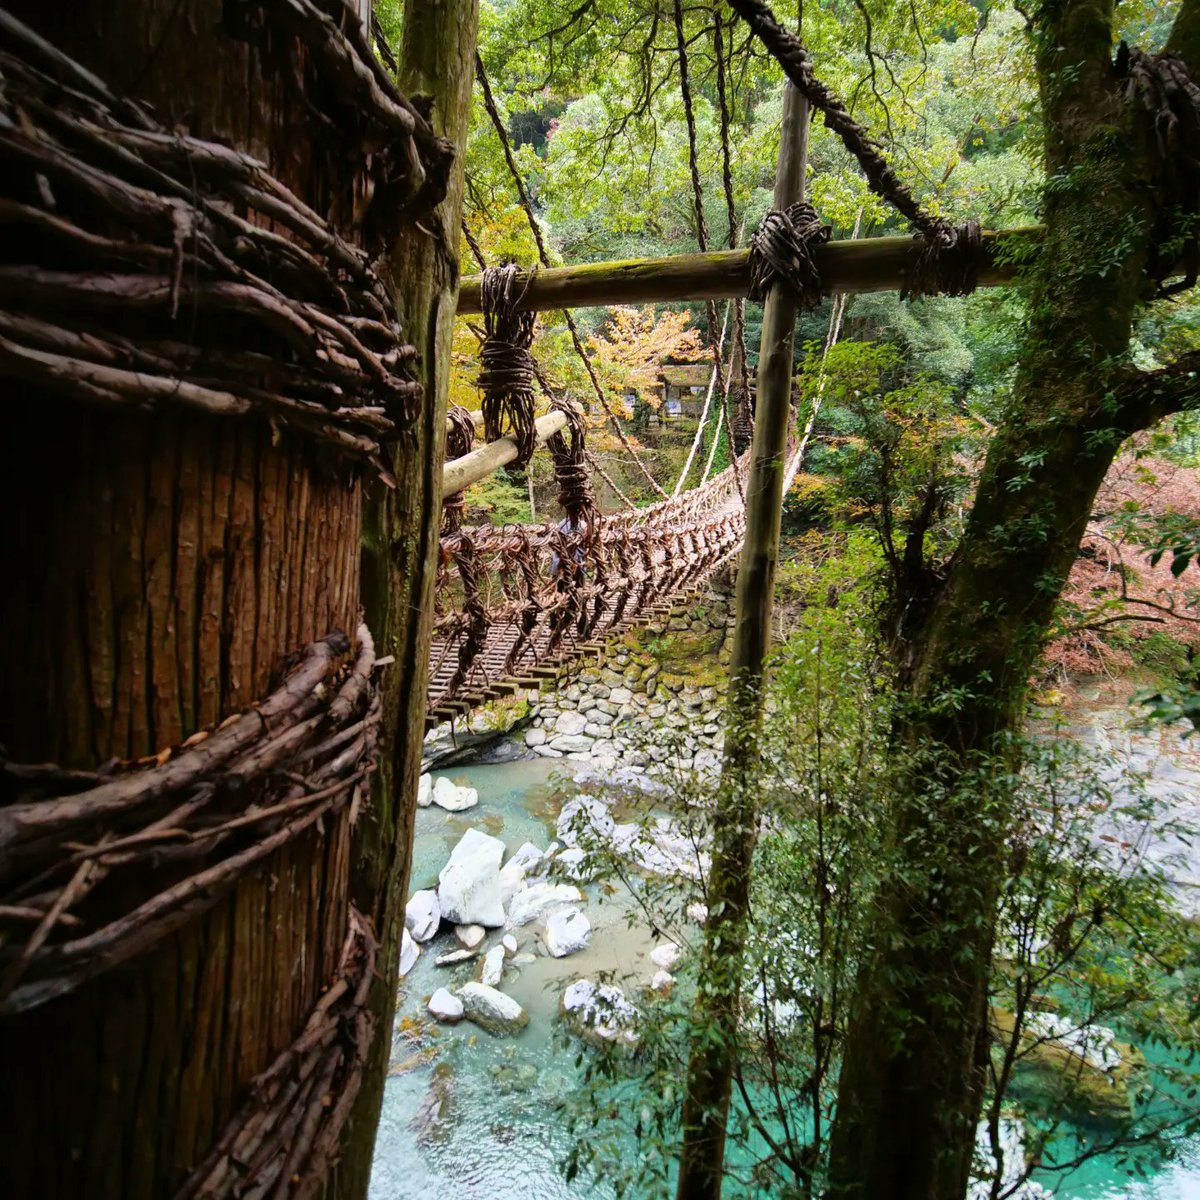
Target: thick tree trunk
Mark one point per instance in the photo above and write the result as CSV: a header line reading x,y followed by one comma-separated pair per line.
x,y
399,562
159,571
914,1067
735,821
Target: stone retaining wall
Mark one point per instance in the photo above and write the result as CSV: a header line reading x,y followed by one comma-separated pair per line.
x,y
656,702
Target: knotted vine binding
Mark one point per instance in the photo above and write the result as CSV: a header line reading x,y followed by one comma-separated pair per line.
x,y
183,826
143,270
506,376
569,451
781,251
460,437
948,262
1162,86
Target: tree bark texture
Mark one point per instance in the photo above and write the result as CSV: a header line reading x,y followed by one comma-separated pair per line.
x,y
159,570
399,559
915,1063
735,821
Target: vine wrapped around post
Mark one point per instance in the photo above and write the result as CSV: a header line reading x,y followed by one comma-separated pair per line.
x,y
507,374
460,438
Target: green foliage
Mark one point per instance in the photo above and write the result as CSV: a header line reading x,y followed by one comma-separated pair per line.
x,y
1092,954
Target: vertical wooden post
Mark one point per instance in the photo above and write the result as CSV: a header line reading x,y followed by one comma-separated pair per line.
x,y
710,1071
436,62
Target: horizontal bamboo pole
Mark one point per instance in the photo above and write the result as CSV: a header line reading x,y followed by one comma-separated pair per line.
x,y
477,465
851,265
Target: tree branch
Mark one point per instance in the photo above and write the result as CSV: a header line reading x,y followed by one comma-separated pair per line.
x,y
1145,397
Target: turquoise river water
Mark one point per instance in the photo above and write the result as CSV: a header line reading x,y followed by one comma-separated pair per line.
x,y
505,1135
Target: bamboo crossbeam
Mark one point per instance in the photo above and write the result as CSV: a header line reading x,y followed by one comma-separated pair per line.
x,y
477,465
850,265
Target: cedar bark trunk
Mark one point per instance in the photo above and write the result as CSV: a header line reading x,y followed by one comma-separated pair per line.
x,y
914,1068
399,558
735,822
160,569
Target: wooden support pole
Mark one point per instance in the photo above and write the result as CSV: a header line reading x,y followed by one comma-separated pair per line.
x,y
479,464
849,265
735,821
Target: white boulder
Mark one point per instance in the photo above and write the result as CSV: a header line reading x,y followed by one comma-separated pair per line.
x,y
492,1010
567,932
423,915
584,816
527,857
425,790
454,957
491,969
600,1011
469,884
453,798
698,912
666,955
512,881
409,953
662,983
538,901
470,936
445,1006
509,943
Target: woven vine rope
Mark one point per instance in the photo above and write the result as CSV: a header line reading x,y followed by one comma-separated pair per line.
x,y
568,450
144,269
183,826
506,374
460,438
282,1139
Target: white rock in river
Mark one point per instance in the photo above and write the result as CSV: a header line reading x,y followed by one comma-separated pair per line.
x,y
698,913
570,723
422,915
509,943
567,932
512,881
457,956
662,982
535,737
491,970
666,955
425,790
527,857
409,953
453,798
573,864
445,1006
600,1011
470,936
492,1010
586,816
469,884
538,901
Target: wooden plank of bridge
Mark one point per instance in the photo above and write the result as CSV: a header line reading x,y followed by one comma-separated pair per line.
x,y
848,265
